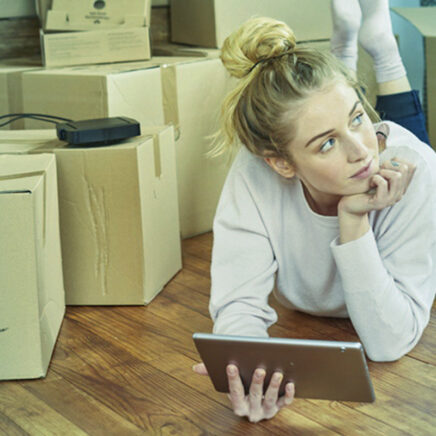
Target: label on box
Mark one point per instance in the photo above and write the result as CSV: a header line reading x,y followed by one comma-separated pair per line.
x,y
95,47
60,20
87,14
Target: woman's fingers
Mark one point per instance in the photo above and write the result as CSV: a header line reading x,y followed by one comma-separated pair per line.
x,y
381,185
272,394
255,395
398,174
256,406
406,169
287,399
236,391
396,186
200,368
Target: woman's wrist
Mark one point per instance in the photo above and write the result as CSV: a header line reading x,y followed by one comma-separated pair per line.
x,y
352,226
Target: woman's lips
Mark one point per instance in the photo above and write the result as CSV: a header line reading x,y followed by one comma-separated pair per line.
x,y
364,172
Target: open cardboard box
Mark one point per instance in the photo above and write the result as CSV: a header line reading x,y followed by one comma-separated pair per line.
x,y
118,212
424,19
32,298
91,14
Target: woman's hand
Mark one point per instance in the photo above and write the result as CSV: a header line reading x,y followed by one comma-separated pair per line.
x,y
387,188
256,406
200,368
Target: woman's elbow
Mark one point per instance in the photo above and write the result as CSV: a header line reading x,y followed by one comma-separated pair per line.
x,y
384,355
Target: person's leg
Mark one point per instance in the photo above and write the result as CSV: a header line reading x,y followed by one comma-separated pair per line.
x,y
396,101
346,18
376,37
404,108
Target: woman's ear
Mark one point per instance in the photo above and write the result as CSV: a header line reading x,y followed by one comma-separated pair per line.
x,y
281,166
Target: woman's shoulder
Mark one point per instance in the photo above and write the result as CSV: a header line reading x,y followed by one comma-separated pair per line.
x,y
403,144
252,169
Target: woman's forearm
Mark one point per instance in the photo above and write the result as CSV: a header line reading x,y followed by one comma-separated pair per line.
x,y
352,226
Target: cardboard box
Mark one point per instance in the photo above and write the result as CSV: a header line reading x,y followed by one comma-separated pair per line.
x,y
32,299
118,215
128,7
192,97
164,90
94,15
97,91
42,6
424,19
208,22
11,99
95,46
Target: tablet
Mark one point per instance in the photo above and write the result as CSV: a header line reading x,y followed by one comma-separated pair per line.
x,y
328,370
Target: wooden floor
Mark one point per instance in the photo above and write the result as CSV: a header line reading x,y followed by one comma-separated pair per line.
x,y
127,370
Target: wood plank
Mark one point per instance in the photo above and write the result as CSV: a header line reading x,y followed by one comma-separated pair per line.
x,y
343,419
9,427
128,370
81,409
224,421
33,415
403,403
194,274
109,383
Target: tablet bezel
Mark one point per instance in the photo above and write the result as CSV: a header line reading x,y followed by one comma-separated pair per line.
x,y
342,376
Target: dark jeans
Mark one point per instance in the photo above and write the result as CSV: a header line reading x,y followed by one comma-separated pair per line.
x,y
404,109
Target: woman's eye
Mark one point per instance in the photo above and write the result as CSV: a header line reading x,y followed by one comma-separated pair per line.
x,y
327,145
357,120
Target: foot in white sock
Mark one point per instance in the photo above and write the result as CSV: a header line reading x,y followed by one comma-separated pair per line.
x,y
377,39
346,17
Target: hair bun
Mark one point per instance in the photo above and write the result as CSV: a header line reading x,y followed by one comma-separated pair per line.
x,y
256,39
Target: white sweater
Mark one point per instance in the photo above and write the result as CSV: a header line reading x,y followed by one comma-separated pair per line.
x,y
265,234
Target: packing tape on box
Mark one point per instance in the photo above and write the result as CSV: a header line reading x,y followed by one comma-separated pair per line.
x,y
14,83
157,157
169,97
44,187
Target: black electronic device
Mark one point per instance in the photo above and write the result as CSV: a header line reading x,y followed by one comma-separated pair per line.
x,y
100,131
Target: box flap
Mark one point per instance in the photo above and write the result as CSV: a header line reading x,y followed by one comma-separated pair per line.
x,y
32,308
22,173
19,320
24,141
424,19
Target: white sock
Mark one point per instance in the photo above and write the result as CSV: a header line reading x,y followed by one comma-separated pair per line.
x,y
377,39
346,17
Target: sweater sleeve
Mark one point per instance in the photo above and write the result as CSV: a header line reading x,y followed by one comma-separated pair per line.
x,y
243,264
389,274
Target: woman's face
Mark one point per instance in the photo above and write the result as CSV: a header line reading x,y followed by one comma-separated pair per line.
x,y
334,150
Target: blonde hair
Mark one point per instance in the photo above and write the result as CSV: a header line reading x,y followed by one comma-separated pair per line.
x,y
275,75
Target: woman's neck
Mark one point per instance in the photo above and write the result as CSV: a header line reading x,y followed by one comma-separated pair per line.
x,y
327,209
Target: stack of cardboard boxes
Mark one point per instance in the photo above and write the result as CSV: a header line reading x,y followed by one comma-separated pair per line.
x,y
122,208
90,32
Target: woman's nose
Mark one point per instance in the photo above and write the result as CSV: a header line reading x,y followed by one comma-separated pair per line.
x,y
356,150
